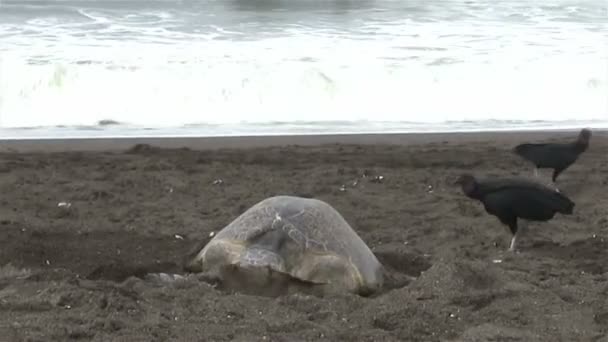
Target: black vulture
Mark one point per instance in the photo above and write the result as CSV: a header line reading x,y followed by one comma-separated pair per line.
x,y
512,198
556,156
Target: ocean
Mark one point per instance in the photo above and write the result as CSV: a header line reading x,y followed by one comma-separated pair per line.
x,y
110,68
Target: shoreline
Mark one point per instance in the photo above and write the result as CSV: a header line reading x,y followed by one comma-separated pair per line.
x,y
260,141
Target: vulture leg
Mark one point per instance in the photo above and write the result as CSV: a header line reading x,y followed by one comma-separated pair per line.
x,y
535,172
513,243
556,173
514,231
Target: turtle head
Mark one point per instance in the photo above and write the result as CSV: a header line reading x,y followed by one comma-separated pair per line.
x,y
467,182
261,257
193,265
192,261
256,271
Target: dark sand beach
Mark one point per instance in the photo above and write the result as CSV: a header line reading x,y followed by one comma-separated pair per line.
x,y
76,271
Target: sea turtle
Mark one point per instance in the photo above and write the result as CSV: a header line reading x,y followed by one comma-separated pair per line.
x,y
286,242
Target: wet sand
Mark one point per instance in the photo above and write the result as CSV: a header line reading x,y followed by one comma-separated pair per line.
x,y
76,271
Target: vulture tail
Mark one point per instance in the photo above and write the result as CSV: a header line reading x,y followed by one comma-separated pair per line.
x,y
527,151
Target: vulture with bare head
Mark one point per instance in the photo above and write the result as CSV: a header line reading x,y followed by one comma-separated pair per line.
x,y
512,199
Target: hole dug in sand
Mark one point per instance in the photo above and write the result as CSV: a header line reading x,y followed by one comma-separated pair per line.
x,y
401,264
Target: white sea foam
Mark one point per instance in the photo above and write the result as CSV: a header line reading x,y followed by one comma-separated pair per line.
x,y
156,68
